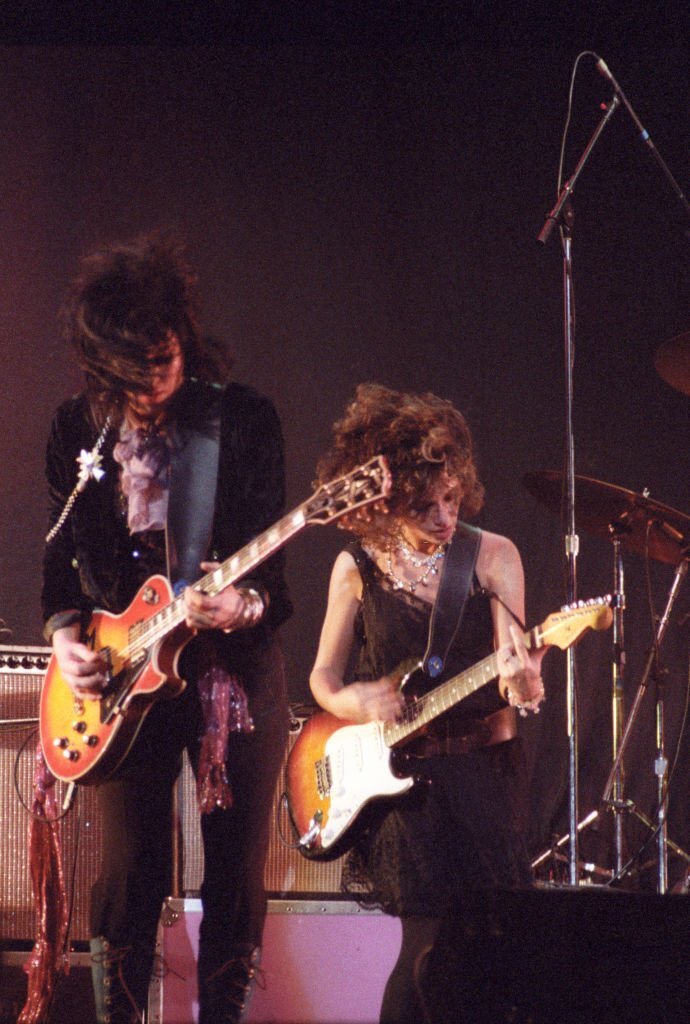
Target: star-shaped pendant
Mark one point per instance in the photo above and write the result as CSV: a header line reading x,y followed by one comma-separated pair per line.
x,y
89,466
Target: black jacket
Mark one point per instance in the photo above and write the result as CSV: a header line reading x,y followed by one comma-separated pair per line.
x,y
94,562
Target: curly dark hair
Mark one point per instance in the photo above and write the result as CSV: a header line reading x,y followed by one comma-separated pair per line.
x,y
421,436
123,304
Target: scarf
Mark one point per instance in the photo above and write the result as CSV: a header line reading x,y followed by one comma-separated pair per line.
x,y
144,456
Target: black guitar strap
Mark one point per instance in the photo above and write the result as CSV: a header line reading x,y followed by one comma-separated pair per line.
x,y
192,497
453,589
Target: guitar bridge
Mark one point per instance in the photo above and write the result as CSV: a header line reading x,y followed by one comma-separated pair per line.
x,y
323,776
119,686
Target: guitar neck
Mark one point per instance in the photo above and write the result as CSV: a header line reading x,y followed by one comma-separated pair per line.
x,y
329,502
232,569
444,697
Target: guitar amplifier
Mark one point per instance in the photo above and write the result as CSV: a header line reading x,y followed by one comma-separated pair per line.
x,y
288,872
81,832
21,675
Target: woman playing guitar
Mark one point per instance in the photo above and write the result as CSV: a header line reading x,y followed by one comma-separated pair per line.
x,y
463,830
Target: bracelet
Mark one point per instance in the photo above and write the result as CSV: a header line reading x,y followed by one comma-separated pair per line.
x,y
254,608
528,705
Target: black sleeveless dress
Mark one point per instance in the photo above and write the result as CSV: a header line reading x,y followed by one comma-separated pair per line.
x,y
462,826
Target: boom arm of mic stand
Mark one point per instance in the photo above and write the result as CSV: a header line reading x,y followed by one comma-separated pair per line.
x,y
554,216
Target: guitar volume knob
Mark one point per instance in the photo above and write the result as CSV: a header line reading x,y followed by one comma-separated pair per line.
x,y
60,742
70,755
91,741
79,726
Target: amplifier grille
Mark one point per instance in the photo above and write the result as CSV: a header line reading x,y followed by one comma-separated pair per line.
x,y
21,674
81,833
287,871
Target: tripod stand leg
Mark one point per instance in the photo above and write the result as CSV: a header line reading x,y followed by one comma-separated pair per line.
x,y
558,844
660,766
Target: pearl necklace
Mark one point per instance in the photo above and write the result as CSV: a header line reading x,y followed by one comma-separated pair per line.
x,y
427,563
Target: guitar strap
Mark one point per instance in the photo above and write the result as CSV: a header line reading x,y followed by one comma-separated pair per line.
x,y
451,597
192,496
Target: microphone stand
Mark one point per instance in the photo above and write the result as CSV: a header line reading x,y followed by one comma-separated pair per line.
x,y
562,212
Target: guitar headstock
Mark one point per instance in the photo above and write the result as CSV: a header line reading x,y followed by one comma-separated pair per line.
x,y
563,628
360,487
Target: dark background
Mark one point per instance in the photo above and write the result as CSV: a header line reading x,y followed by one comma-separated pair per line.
x,y
361,190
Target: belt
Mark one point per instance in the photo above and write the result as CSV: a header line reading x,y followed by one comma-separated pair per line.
x,y
497,728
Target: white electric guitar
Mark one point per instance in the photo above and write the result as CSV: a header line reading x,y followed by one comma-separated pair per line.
x,y
336,768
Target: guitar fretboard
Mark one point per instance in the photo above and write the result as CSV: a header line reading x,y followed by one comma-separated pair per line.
x,y
444,697
143,635
332,500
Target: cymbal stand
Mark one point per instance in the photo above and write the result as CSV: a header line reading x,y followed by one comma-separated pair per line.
x,y
660,763
617,803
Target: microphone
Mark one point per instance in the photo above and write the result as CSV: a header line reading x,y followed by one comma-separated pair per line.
x,y
603,69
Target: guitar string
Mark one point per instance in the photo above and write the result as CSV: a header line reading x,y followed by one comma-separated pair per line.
x,y
156,628
465,681
275,538
533,638
149,631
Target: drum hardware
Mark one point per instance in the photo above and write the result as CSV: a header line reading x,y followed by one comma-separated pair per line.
x,y
562,215
660,762
672,362
555,857
645,527
589,873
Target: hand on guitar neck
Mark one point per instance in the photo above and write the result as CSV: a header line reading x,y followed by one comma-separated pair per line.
x,y
230,609
520,681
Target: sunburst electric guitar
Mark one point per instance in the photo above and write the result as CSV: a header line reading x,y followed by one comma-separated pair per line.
x,y
84,740
335,768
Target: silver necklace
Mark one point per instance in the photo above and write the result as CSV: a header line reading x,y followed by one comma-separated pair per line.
x,y
429,565
89,468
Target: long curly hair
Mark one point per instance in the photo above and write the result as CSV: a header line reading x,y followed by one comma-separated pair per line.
x,y
421,436
124,303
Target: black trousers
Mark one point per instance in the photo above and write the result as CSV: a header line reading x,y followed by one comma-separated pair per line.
x,y
136,804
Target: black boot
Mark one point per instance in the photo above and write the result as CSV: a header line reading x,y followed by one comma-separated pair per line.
x,y
224,994
120,983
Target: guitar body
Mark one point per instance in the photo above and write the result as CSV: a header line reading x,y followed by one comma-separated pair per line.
x,y
85,740
334,770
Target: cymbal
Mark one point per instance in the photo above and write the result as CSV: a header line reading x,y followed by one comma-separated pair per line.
x,y
645,527
672,362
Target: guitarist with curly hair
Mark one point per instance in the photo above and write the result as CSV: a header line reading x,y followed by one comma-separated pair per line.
x,y
464,829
